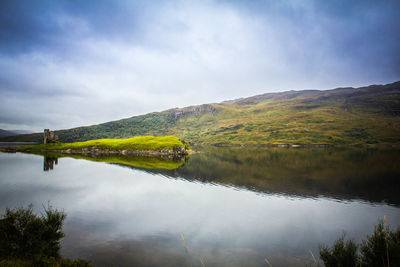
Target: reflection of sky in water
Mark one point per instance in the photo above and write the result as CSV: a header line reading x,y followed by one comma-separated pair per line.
x,y
107,203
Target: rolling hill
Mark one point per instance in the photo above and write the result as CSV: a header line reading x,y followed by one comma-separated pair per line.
x,y
7,133
342,116
12,132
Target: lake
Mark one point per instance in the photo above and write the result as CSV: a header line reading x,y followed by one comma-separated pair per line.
x,y
224,206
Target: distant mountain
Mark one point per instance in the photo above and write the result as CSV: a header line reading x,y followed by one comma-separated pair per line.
x,y
342,116
13,132
6,133
21,131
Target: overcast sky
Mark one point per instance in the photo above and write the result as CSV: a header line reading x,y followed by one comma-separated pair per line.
x,y
71,63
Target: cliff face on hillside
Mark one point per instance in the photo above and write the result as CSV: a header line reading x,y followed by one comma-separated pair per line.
x,y
365,115
196,111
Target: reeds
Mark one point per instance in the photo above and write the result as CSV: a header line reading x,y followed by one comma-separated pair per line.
x,y
315,260
202,262
267,261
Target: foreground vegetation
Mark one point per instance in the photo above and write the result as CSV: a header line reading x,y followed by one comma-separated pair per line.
x,y
345,116
139,143
27,239
382,248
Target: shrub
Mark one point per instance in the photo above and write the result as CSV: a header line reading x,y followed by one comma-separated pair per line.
x,y
382,248
24,235
340,255
186,144
249,127
45,262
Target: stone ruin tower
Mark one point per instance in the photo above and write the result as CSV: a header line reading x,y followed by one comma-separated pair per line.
x,y
49,137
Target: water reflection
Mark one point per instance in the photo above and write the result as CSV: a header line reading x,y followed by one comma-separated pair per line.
x,y
137,162
340,173
344,174
167,250
48,163
134,216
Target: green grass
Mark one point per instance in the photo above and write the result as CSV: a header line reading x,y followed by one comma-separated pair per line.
x,y
141,143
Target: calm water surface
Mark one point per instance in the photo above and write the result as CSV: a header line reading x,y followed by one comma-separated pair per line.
x,y
232,206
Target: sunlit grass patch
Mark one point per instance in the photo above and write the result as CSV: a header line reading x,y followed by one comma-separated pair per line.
x,y
141,143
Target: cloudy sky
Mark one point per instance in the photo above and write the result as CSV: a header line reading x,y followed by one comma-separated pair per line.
x,y
69,63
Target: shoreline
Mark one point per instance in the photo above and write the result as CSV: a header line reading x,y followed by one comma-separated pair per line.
x,y
273,145
166,153
169,153
307,145
148,146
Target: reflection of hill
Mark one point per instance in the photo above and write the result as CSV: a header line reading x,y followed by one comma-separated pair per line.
x,y
135,161
367,174
130,161
370,175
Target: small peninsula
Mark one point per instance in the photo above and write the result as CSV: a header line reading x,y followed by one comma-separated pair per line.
x,y
151,146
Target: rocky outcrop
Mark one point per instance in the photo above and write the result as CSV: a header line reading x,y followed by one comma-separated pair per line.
x,y
194,110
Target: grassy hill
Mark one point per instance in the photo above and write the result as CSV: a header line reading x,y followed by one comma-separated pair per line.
x,y
365,115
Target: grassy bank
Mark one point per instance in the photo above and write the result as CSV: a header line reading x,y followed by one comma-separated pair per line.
x,y
139,143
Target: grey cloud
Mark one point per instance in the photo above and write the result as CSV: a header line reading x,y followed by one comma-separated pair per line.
x,y
90,62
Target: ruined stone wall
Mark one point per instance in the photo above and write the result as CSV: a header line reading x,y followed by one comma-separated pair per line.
x,y
49,137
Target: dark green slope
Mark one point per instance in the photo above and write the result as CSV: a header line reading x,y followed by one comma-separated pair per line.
x,y
366,115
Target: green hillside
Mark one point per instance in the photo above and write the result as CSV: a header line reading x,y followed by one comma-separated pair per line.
x,y
343,116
